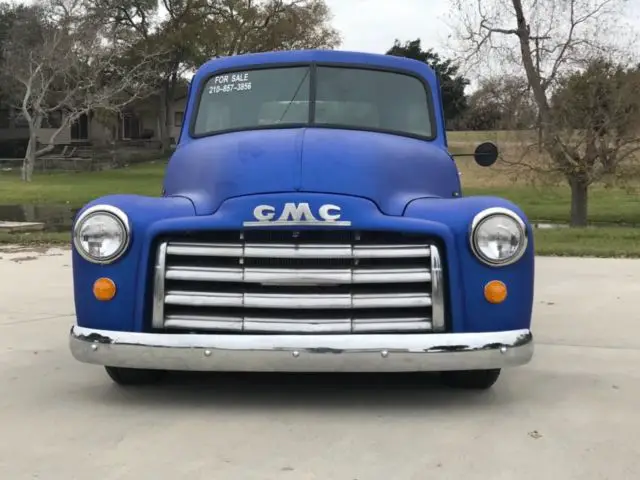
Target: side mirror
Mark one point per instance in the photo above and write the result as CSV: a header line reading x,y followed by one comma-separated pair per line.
x,y
486,154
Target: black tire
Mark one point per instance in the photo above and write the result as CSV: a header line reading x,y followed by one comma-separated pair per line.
x,y
134,376
471,379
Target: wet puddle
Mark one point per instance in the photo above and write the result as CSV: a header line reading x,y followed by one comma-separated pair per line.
x,y
546,226
56,218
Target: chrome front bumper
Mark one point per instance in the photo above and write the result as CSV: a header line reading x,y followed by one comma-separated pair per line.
x,y
303,353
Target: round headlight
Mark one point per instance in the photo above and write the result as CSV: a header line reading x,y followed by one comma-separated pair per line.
x,y
498,237
102,234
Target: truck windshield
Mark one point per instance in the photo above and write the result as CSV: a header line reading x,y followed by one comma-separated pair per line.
x,y
344,97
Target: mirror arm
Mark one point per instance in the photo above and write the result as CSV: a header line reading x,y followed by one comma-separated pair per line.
x,y
469,154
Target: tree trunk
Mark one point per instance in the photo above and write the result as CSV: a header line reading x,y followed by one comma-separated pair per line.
x,y
30,158
168,99
579,202
533,76
164,130
110,135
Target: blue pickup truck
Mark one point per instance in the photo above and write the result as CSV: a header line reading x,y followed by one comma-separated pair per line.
x,y
311,219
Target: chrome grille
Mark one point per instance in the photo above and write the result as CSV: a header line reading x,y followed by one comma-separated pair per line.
x,y
299,283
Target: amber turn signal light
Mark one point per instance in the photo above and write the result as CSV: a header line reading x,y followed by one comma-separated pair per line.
x,y
104,289
495,291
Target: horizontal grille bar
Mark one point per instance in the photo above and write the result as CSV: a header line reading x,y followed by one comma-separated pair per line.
x,y
298,301
298,251
284,325
288,276
386,282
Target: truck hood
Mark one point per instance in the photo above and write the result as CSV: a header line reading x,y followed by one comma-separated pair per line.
x,y
387,169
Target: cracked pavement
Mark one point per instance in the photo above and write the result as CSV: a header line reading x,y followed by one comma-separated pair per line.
x,y
570,414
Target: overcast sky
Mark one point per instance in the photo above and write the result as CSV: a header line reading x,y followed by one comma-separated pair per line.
x,y
373,25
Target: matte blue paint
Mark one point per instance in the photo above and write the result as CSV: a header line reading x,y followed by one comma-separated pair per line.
x,y
440,111
482,316
381,181
129,272
388,169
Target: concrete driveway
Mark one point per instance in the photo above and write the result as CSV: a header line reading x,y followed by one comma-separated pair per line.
x,y
571,414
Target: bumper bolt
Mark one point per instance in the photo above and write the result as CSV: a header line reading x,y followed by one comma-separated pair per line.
x,y
295,354
384,354
503,349
207,353
94,347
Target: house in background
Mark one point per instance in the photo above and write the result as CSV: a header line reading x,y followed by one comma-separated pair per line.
x,y
138,125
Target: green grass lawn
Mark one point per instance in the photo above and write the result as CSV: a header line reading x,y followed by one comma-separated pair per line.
x,y
589,242
77,189
553,204
544,204
541,204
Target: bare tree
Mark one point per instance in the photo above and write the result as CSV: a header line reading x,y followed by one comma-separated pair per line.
x,y
142,24
61,59
598,111
547,40
245,26
181,34
502,102
194,31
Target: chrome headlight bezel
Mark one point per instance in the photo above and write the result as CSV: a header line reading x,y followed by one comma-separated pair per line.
x,y
115,213
485,215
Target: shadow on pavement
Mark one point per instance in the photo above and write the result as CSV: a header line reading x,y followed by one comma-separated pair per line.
x,y
300,391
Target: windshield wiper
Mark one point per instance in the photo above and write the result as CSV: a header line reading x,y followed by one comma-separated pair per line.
x,y
306,74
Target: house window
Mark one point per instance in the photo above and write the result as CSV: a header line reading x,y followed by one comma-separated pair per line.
x,y
80,128
54,120
5,118
178,117
130,127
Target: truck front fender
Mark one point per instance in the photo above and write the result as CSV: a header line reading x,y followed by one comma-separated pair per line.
x,y
130,272
471,275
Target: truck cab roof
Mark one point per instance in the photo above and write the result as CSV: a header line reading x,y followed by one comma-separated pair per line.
x,y
342,57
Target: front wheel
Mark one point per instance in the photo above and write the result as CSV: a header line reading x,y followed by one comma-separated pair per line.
x,y
134,376
471,379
